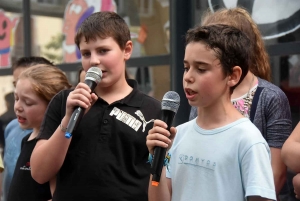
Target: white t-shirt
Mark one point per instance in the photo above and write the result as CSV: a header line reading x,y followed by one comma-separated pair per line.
x,y
227,163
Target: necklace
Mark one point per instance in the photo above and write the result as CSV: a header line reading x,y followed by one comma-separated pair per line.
x,y
251,83
248,99
244,105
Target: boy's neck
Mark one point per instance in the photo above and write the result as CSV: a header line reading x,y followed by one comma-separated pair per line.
x,y
116,92
218,115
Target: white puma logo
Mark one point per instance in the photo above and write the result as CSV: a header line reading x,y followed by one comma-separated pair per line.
x,y
141,116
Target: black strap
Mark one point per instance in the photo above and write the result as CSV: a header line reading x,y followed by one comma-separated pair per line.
x,y
254,102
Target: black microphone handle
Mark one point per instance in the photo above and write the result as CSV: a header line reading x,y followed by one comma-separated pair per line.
x,y
78,112
167,116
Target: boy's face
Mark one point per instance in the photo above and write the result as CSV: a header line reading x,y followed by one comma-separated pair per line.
x,y
204,82
106,55
16,74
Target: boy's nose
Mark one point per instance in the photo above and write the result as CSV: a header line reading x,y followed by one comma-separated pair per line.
x,y
95,60
188,76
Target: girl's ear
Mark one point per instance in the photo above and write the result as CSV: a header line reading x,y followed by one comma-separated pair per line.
x,y
128,50
234,78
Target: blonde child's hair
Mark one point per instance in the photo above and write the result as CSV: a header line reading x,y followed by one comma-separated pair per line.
x,y
46,80
241,19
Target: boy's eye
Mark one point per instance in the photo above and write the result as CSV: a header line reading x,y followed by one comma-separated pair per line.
x,y
101,51
85,54
201,70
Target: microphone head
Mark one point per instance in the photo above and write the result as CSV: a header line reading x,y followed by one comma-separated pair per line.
x,y
170,101
94,74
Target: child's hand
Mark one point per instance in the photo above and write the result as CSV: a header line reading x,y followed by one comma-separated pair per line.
x,y
296,184
81,96
159,136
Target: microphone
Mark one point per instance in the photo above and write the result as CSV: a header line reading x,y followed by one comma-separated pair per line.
x,y
169,106
92,78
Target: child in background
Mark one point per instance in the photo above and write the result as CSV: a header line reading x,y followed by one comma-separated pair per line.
x,y
220,155
106,157
34,89
13,133
256,98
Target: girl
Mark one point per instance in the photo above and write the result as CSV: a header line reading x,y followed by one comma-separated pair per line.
x,y
34,89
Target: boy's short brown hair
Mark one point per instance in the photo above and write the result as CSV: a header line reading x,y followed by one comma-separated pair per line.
x,y
231,46
103,25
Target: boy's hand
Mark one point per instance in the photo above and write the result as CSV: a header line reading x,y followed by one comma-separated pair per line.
x,y
81,96
159,136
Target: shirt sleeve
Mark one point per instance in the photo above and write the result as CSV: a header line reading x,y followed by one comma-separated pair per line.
x,y
275,109
54,114
257,173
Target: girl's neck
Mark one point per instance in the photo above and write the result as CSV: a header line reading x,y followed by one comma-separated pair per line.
x,y
34,134
245,86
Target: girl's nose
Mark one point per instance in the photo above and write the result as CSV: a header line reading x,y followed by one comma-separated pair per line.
x,y
17,106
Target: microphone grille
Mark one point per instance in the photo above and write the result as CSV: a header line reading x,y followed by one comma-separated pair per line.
x,y
94,74
170,101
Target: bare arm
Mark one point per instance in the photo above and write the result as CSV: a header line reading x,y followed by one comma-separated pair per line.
x,y
279,169
163,191
159,136
291,150
49,155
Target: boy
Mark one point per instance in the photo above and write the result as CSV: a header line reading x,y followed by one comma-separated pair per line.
x,y
220,155
106,159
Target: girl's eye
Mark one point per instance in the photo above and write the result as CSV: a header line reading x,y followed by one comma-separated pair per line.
x,y
28,104
185,69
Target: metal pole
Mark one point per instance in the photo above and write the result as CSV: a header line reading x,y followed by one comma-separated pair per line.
x,y
27,28
181,19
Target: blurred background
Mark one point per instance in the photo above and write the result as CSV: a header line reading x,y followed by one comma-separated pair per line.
x,y
47,27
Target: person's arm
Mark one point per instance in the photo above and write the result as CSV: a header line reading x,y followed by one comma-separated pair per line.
x,y
296,184
49,155
291,150
279,169
160,136
163,191
278,129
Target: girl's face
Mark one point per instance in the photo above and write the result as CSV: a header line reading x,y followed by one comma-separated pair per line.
x,y
29,107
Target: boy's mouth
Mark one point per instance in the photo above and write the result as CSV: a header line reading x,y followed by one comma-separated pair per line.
x,y
190,92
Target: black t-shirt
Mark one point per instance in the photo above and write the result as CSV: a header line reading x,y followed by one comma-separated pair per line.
x,y
23,186
107,157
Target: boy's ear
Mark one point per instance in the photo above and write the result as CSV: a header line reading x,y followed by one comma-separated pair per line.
x,y
234,78
128,50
